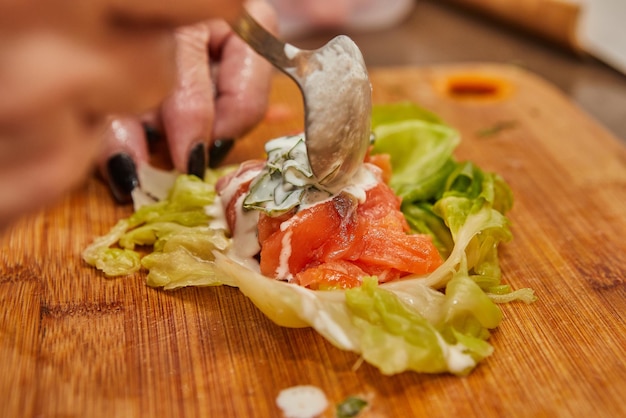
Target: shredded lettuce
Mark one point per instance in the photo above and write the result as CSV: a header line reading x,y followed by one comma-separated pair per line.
x,y
179,236
112,261
433,323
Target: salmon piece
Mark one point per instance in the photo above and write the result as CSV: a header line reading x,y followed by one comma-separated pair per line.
x,y
305,236
336,243
338,274
267,225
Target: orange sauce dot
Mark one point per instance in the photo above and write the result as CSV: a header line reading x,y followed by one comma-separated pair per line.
x,y
476,87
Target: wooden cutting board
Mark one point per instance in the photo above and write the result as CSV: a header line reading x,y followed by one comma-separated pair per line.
x,y
74,344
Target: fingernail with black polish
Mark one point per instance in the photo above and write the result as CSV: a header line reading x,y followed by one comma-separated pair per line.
x,y
196,164
122,174
219,150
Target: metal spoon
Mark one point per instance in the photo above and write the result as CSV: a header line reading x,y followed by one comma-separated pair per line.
x,y
337,98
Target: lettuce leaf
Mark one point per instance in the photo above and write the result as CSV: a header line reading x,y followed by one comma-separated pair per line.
x,y
434,323
461,206
178,232
112,261
375,321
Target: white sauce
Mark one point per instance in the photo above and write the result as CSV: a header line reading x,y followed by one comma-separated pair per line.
x,y
324,322
282,271
245,233
305,401
367,177
291,51
216,212
229,191
457,360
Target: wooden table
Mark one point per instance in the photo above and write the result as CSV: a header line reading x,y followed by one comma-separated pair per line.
x,y
74,344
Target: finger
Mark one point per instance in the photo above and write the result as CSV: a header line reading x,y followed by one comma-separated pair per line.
x,y
187,114
242,78
124,149
140,22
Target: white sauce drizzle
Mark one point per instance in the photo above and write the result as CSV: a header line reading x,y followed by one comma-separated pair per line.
x,y
291,51
216,212
457,360
282,271
323,322
367,177
229,191
245,233
305,401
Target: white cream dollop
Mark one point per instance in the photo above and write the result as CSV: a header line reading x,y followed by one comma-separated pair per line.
x,y
305,401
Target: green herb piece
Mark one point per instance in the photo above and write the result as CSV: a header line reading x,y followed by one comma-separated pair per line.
x,y
350,407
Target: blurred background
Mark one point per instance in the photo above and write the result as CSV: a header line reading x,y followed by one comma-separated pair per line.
x,y
585,58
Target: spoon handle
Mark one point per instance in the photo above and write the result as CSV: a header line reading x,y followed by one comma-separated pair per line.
x,y
263,42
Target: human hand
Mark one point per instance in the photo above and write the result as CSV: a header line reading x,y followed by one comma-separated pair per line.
x,y
65,67
221,91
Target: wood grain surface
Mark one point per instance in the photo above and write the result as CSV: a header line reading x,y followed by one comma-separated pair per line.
x,y
74,344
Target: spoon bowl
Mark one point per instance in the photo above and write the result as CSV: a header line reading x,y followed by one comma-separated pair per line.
x,y
337,97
